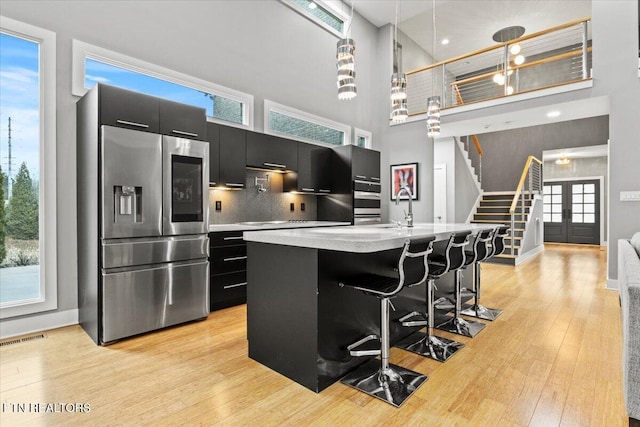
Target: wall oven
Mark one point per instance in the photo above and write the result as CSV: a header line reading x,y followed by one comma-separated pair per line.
x,y
366,202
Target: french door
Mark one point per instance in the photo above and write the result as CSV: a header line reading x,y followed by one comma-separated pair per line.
x,y
571,212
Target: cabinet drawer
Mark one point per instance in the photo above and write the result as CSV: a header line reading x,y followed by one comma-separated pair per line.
x,y
225,238
228,259
228,290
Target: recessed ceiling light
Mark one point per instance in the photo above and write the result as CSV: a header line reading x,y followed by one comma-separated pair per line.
x,y
445,41
553,113
312,5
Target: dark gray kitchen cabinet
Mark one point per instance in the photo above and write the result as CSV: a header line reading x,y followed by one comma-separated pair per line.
x,y
181,120
124,108
227,155
314,170
365,164
271,152
228,270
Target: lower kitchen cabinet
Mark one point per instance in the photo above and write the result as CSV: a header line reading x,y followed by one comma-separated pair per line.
x,y
228,270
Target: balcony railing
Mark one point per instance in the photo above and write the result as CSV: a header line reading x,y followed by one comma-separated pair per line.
x,y
556,56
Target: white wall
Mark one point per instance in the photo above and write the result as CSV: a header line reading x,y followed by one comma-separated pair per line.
x,y
444,152
260,47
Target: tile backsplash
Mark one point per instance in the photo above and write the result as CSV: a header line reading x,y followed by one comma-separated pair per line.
x,y
251,205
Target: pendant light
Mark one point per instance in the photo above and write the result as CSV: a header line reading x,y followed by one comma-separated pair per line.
x,y
433,102
345,55
399,111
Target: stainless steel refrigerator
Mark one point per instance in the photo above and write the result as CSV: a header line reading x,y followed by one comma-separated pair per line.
x,y
142,237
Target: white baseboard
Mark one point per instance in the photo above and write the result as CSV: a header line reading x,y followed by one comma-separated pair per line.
x,y
613,284
530,254
27,325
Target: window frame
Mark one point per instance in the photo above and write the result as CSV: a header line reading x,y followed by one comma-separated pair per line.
x,y
365,134
270,106
81,51
48,276
331,7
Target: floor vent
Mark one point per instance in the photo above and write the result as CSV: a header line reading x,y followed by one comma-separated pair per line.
x,y
23,339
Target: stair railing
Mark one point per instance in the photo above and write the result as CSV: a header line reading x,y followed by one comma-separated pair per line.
x,y
530,183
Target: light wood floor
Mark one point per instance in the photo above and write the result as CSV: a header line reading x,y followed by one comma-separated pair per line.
x,y
553,358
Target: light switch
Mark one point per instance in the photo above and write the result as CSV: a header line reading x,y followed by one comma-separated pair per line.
x,y
630,196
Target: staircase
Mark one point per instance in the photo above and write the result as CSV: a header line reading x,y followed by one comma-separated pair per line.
x,y
494,209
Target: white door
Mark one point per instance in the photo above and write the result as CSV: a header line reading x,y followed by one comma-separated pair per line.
x,y
440,193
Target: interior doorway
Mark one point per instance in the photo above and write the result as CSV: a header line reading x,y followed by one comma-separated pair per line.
x,y
572,211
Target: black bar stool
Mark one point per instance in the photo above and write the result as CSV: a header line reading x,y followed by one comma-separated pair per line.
x,y
383,380
476,309
427,344
455,323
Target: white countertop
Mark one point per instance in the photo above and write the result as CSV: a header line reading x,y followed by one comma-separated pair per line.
x,y
272,225
362,238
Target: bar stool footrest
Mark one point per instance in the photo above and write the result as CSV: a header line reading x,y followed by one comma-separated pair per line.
x,y
363,347
444,304
481,312
392,385
423,319
431,346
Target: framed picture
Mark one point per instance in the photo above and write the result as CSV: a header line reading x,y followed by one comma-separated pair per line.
x,y
405,175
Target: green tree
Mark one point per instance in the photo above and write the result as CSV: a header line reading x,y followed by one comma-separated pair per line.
x,y
3,249
22,212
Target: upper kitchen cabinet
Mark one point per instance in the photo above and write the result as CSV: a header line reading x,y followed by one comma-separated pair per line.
x,y
181,120
365,164
124,108
227,155
314,170
271,152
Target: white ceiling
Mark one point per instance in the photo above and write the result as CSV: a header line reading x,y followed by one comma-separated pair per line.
x,y
469,24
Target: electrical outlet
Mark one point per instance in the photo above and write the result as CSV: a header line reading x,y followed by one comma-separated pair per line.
x,y
302,207
292,207
218,205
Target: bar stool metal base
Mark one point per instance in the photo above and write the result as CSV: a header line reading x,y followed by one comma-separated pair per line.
x,y
460,326
481,312
393,384
434,347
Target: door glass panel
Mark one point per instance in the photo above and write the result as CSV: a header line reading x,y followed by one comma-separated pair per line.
x,y
589,188
556,208
546,209
577,208
577,188
556,189
546,189
547,199
577,198
576,218
589,218
546,217
556,218
186,182
589,208
556,198
589,198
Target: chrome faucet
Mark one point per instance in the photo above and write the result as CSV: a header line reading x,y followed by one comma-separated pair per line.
x,y
407,215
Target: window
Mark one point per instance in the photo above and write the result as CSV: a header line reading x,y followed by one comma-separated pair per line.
x,y
28,276
583,203
92,64
362,138
295,124
328,16
552,203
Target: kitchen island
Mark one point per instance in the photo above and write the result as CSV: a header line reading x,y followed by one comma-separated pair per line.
x,y
299,320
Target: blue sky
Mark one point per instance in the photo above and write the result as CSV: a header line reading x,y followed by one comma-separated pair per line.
x,y
104,73
19,99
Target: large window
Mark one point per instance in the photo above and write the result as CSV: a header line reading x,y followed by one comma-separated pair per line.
x,y
28,152
92,65
327,15
295,124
